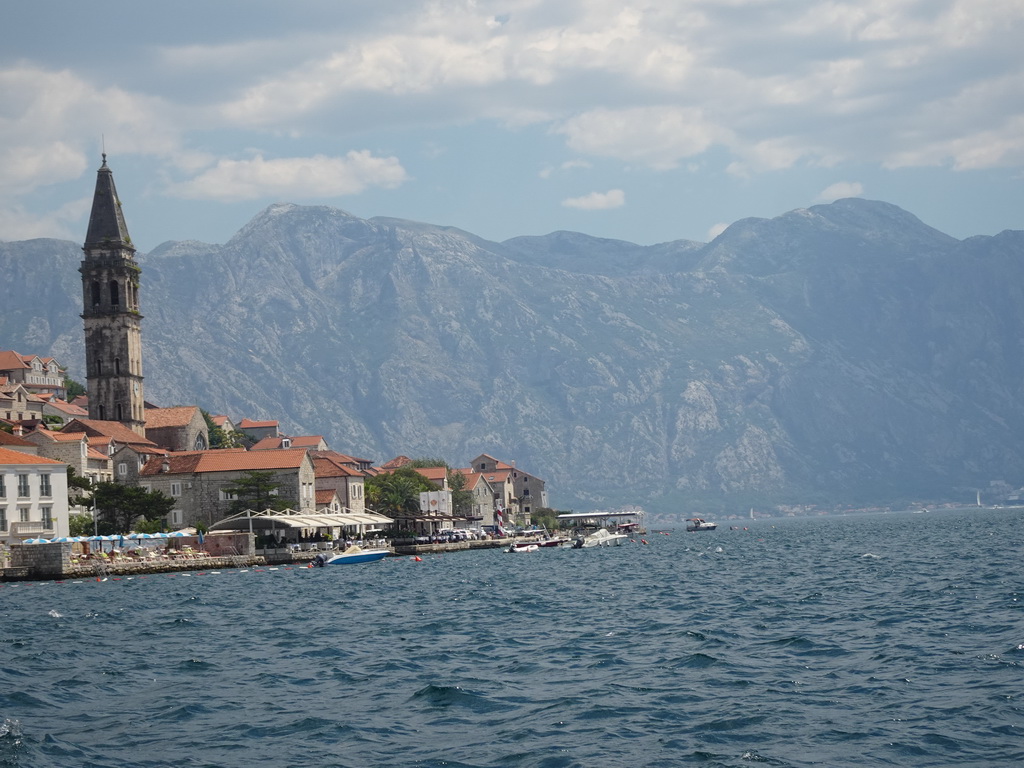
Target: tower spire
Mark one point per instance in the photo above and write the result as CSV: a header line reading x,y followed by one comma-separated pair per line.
x,y
110,298
106,222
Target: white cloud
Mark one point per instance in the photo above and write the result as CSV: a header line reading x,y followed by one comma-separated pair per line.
x,y
18,223
840,190
656,136
294,177
568,165
597,201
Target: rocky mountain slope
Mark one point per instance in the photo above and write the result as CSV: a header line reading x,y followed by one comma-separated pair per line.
x,y
843,352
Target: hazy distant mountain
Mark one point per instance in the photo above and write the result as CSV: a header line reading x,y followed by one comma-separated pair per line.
x,y
842,352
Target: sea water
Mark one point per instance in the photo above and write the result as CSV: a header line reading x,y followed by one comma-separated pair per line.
x,y
843,641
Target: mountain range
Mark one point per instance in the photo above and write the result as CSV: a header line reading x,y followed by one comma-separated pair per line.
x,y
844,353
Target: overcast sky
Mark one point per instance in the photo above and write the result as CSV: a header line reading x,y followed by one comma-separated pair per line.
x,y
636,120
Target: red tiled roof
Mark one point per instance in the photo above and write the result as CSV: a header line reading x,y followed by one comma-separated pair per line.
x,y
219,421
326,496
11,360
302,441
397,462
331,464
434,474
7,456
112,429
92,453
250,424
8,439
61,437
224,461
69,408
178,416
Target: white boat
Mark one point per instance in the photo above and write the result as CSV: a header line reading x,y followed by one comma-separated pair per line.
x,y
350,556
602,537
523,548
697,524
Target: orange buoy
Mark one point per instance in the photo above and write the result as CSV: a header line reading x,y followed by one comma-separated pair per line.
x,y
418,559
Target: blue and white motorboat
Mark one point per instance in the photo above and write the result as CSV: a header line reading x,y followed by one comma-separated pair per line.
x,y
351,556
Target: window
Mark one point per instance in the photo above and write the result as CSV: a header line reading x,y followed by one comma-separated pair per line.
x,y
122,468
23,486
23,514
3,488
95,294
228,496
45,489
177,518
120,412
175,489
3,518
115,293
47,517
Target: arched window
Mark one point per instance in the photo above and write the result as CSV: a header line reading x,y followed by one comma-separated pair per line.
x,y
117,366
115,297
99,367
95,293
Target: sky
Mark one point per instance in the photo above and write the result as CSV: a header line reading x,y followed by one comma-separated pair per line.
x,y
627,119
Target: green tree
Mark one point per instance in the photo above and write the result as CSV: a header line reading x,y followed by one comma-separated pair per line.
x,y
547,517
80,525
79,490
256,490
72,388
220,437
397,493
119,508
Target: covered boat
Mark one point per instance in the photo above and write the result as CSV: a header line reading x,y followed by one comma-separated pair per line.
x,y
697,524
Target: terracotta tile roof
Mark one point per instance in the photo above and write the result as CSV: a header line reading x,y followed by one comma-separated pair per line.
x,y
61,437
219,420
92,453
82,401
302,441
326,496
9,439
8,456
397,462
69,408
434,474
473,477
224,461
178,416
332,464
250,424
11,360
111,429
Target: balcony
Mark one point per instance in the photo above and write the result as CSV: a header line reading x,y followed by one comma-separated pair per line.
x,y
32,529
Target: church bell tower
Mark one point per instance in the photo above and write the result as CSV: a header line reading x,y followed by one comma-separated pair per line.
x,y
110,301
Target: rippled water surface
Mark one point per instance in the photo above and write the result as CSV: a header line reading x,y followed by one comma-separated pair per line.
x,y
857,641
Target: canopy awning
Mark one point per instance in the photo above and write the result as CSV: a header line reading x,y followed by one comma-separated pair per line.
x,y
271,519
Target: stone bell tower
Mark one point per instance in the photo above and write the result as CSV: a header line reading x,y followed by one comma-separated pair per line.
x,y
110,301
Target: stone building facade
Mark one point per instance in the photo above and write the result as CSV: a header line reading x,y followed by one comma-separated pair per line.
x,y
181,428
198,481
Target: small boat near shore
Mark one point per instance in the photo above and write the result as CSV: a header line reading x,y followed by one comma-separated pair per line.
x,y
350,556
602,537
698,524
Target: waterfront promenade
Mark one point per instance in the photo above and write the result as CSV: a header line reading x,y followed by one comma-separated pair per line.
x,y
57,561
